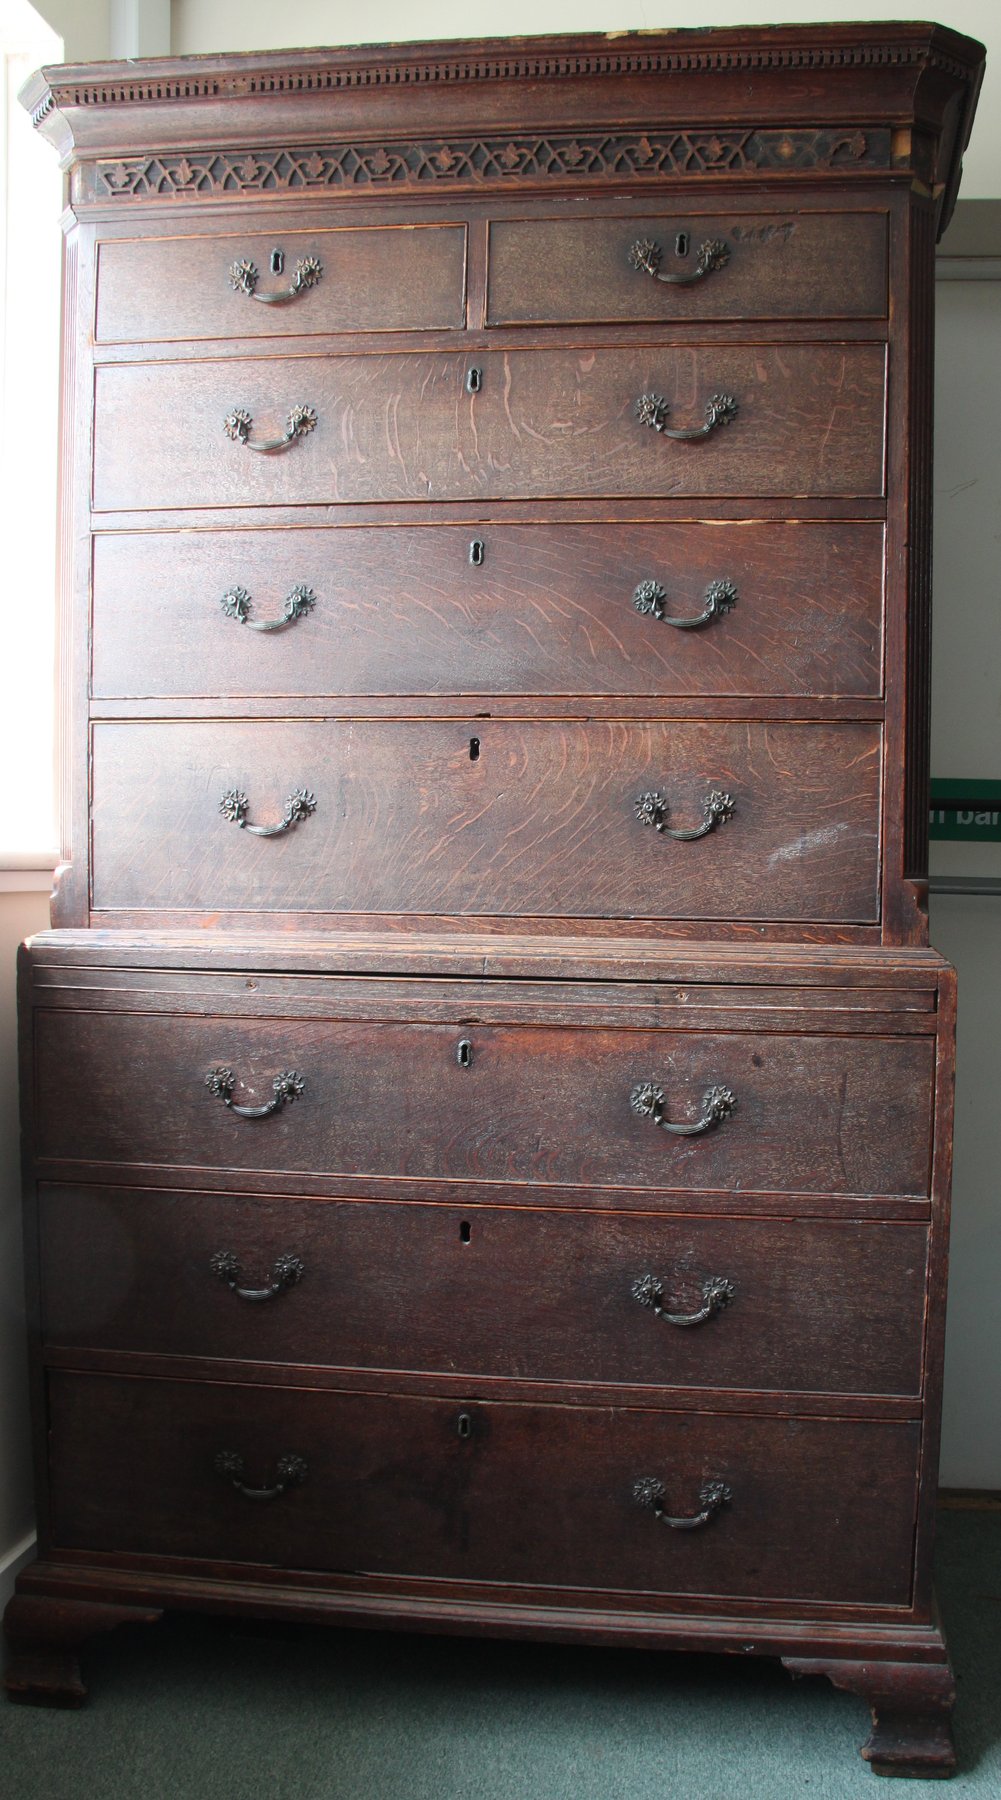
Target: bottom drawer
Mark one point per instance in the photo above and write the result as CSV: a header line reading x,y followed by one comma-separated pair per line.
x,y
816,1510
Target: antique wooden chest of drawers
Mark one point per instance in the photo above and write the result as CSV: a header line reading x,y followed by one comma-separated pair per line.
x,y
487,1093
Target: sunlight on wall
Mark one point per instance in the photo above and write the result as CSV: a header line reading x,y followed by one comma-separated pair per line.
x,y
30,204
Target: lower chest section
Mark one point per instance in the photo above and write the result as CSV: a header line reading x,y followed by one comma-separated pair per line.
x,y
612,1285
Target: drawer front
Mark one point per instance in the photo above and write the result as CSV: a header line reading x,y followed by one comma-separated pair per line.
x,y
829,1307
540,1495
766,266
492,609
547,1105
491,817
390,278
543,423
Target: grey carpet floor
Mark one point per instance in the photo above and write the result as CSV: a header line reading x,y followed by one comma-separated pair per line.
x,y
204,1708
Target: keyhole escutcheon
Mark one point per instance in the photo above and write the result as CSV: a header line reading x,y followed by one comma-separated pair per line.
x,y
277,262
464,1425
476,550
474,381
464,1053
681,244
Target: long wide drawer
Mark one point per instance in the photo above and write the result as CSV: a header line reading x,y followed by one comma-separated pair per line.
x,y
539,423
569,1497
490,817
389,278
828,1307
786,609
680,265
555,1106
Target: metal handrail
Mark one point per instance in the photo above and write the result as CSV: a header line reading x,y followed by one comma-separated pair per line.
x,y
965,884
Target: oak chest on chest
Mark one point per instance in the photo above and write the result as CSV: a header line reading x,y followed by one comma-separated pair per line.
x,y
487,1095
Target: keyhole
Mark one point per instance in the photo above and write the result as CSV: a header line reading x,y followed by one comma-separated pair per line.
x,y
464,1231
277,261
464,1053
476,552
681,243
474,381
464,1425
474,749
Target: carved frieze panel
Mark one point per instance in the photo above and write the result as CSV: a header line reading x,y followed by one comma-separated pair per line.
x,y
479,162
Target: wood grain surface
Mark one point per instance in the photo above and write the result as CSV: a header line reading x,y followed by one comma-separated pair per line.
x,y
490,816
789,265
407,277
532,1494
527,1293
548,610
545,422
538,1104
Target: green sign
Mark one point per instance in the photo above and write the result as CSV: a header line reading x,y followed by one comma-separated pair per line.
x,y
966,811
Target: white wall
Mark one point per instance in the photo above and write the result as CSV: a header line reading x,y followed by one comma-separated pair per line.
x,y
30,204
966,742
83,25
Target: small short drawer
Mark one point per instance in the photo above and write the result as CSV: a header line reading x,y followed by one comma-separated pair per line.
x,y
773,420
785,609
281,283
829,1307
540,1496
489,817
687,266
558,1107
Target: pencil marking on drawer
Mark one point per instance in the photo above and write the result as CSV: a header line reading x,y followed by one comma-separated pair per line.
x,y
820,838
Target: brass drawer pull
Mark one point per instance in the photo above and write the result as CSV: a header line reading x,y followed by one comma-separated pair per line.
x,y
717,1293
647,1102
719,597
285,1273
652,809
290,1472
652,410
299,805
648,1491
286,1087
236,603
646,256
238,424
243,278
